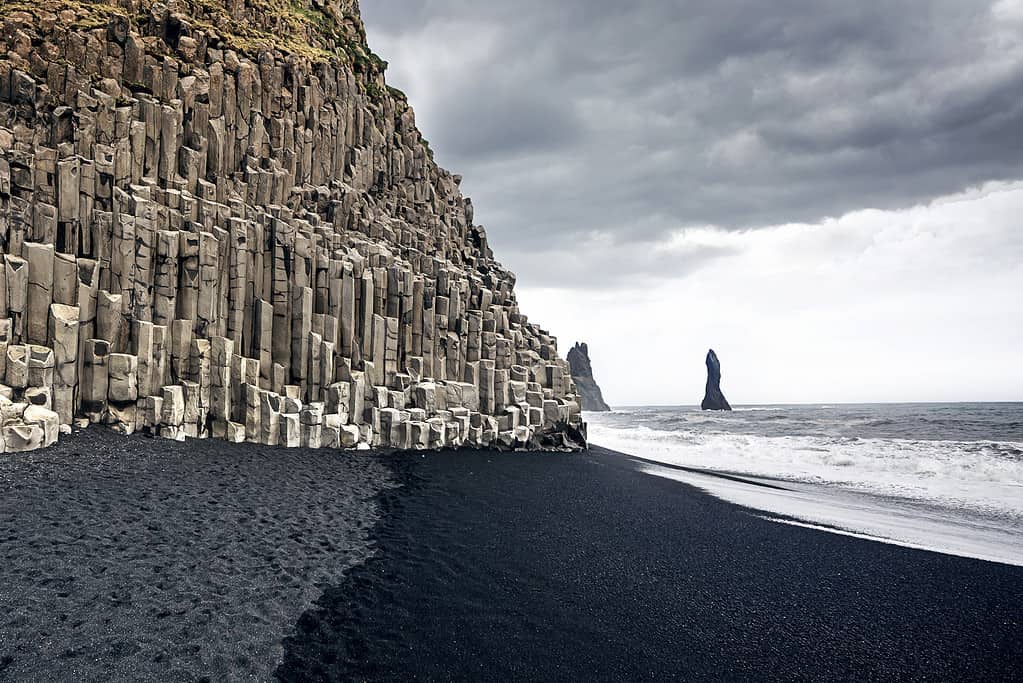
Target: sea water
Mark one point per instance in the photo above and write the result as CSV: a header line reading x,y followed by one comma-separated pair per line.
x,y
942,476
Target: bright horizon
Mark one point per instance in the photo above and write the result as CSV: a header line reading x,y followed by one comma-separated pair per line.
x,y
881,324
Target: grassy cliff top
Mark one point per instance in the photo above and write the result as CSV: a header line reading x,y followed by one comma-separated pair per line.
x,y
316,29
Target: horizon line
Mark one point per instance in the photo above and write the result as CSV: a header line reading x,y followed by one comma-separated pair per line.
x,y
818,403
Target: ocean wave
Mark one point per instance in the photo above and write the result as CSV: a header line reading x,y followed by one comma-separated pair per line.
x,y
980,475
762,409
933,422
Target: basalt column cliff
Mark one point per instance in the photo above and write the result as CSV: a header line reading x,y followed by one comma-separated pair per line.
x,y
216,219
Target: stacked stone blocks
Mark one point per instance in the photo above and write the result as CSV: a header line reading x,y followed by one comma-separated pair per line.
x,y
249,247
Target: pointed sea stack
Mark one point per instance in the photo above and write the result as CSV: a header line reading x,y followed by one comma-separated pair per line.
x,y
218,220
713,399
582,372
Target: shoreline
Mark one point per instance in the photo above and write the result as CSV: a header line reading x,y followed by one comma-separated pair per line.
x,y
132,558
834,509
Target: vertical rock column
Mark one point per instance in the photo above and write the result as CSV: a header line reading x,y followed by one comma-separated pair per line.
x,y
63,330
94,386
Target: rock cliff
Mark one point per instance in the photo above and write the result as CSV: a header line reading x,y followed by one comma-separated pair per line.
x,y
590,396
216,219
713,399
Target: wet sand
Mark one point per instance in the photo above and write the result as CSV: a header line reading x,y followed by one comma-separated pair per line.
x,y
551,567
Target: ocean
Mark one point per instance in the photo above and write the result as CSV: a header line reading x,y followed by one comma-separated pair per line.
x,y
927,464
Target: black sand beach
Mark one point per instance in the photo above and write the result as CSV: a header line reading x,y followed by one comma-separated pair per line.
x,y
133,559
541,567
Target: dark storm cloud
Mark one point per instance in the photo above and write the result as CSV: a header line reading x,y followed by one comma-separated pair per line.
x,y
509,123
628,120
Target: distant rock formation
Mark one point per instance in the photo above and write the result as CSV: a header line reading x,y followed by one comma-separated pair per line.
x,y
582,373
713,399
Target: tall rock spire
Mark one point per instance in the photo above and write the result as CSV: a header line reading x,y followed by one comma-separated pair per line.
x,y
582,372
713,398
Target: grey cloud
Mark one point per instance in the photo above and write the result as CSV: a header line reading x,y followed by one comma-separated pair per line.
x,y
494,120
633,119
620,267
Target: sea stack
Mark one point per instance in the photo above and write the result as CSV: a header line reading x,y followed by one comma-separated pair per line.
x,y
218,220
713,399
582,373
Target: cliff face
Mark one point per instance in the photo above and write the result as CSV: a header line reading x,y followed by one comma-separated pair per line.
x,y
216,219
582,373
713,398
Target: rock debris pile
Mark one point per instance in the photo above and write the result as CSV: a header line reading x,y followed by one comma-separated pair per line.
x,y
216,220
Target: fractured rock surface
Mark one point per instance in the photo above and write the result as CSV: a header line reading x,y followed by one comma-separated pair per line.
x,y
591,398
217,220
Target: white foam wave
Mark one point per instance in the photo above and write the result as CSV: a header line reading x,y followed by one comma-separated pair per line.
x,y
885,520
985,476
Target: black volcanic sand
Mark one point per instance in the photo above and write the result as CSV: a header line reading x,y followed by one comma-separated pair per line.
x,y
552,567
136,559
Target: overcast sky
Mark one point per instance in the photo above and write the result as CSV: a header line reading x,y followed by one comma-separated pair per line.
x,y
822,191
